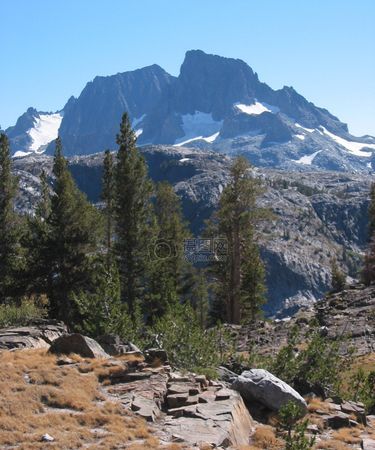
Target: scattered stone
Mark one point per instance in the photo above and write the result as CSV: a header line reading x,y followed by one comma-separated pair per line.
x,y
176,377
114,345
368,443
125,376
145,408
64,361
222,394
313,429
336,421
226,374
201,379
179,388
261,385
79,344
47,438
156,354
207,396
177,400
355,408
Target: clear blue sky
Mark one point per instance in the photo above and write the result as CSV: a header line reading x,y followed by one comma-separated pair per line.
x,y
325,49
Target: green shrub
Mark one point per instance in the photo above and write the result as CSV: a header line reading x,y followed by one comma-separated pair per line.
x,y
21,313
362,388
296,439
319,363
187,345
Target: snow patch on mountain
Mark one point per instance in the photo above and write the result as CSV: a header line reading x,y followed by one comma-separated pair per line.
x,y
307,159
208,139
353,147
199,125
45,130
138,120
256,108
309,130
21,154
301,137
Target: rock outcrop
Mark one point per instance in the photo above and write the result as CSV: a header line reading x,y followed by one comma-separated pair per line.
x,y
185,408
39,334
79,344
270,391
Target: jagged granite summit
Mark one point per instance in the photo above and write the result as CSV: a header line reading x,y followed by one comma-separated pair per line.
x,y
317,215
215,103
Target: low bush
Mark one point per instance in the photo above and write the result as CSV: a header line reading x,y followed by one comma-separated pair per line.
x,y
21,313
187,344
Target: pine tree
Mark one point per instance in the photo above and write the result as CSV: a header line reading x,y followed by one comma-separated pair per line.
x,y
108,196
9,224
36,242
371,212
99,304
253,288
238,276
368,271
74,232
337,277
133,213
199,297
166,252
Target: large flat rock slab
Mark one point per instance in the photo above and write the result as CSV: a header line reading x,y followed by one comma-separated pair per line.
x,y
38,335
221,423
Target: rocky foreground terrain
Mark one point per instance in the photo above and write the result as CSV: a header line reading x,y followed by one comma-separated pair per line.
x,y
348,316
317,215
81,392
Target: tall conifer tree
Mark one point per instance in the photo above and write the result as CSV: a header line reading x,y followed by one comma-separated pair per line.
x,y
36,243
239,275
368,271
134,219
74,233
9,226
166,252
108,196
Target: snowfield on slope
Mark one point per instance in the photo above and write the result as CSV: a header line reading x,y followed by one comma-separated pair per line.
x,y
307,159
353,147
256,108
199,125
44,131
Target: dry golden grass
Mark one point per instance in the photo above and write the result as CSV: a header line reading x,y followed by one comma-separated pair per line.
x,y
348,435
316,404
332,445
37,396
264,438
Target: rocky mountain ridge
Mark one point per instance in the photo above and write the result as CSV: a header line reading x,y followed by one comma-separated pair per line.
x,y
215,103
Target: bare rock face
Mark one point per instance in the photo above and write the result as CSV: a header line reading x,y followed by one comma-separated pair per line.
x,y
219,422
79,344
262,386
114,345
184,408
40,334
